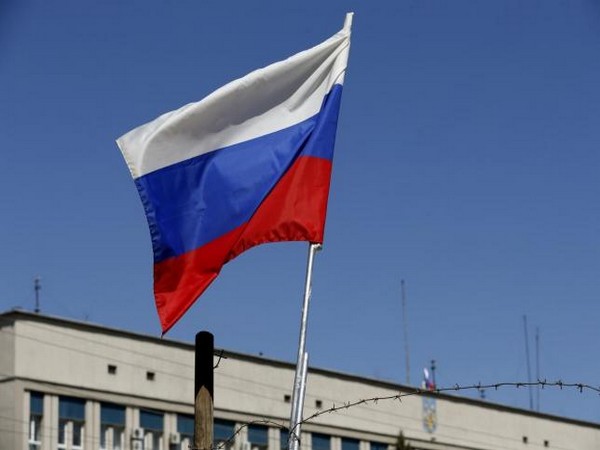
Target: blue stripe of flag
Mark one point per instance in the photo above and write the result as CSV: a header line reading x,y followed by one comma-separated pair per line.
x,y
193,202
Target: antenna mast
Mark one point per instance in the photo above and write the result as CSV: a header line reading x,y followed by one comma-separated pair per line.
x,y
537,365
528,363
405,323
37,286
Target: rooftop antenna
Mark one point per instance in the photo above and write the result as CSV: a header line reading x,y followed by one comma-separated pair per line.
x,y
433,373
37,286
528,363
405,326
537,366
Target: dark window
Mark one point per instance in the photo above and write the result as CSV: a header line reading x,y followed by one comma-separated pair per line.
x,y
318,404
546,443
350,444
284,436
258,436
151,420
287,398
36,415
185,425
223,431
378,446
112,414
321,441
71,412
71,408
525,439
150,376
112,369
112,420
36,404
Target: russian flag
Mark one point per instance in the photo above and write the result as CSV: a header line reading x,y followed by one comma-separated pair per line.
x,y
247,165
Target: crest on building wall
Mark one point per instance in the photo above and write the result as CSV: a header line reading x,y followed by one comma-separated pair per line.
x,y
429,414
429,404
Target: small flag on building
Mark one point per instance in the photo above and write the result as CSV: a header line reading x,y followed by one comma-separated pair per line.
x,y
249,164
428,382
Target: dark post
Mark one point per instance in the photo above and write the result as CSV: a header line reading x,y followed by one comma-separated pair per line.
x,y
203,391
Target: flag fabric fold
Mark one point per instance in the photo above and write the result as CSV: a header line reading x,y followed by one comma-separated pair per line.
x,y
249,164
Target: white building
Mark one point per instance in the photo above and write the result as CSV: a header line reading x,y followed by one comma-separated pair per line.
x,y
77,386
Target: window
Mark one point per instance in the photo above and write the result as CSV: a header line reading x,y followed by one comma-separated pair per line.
x,y
223,431
321,441
150,376
152,423
185,428
77,435
62,433
258,437
284,436
36,414
350,444
71,423
378,446
112,369
112,426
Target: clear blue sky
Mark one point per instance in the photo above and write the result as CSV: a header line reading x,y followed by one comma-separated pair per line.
x,y
467,163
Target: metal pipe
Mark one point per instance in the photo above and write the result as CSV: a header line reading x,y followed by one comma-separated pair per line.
x,y
300,375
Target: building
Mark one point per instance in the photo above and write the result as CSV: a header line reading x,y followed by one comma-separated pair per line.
x,y
71,385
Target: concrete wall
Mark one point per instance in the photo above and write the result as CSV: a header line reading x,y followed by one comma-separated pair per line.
x,y
7,349
9,425
78,357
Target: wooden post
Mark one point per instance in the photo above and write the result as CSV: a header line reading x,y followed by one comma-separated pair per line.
x,y
203,391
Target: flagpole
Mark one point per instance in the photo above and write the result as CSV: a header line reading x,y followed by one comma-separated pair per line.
x,y
302,361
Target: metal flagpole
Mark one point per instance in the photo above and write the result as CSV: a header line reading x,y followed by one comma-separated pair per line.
x,y
301,392
302,362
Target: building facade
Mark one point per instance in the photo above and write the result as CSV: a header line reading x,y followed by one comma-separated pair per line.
x,y
68,385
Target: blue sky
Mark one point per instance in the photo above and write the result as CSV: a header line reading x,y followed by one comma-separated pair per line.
x,y
466,163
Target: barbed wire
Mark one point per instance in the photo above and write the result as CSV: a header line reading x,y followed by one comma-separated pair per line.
x,y
581,387
221,356
479,386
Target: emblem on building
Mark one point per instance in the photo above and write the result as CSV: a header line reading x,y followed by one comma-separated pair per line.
x,y
429,414
429,403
